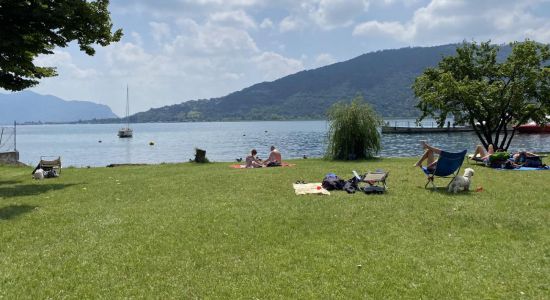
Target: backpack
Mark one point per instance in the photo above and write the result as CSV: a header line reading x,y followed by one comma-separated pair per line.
x,y
351,185
533,162
529,161
333,182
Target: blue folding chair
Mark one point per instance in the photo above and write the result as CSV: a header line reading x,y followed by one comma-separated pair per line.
x,y
448,166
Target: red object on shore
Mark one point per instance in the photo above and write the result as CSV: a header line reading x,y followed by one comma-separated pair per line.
x,y
533,128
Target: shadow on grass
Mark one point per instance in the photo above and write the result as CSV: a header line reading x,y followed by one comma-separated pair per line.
x,y
3,182
444,190
13,211
30,189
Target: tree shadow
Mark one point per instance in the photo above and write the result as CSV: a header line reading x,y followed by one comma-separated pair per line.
x,y
4,182
13,211
30,189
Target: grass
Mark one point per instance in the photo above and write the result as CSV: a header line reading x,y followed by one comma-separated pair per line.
x,y
208,231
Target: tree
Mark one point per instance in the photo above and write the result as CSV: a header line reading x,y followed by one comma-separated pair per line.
x,y
353,130
29,28
492,95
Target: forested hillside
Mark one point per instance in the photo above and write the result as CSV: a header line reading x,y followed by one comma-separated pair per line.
x,y
384,78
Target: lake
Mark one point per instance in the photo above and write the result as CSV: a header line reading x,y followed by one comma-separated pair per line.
x,y
98,145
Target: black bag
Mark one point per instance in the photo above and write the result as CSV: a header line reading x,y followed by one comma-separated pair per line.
x,y
50,173
333,182
350,187
533,162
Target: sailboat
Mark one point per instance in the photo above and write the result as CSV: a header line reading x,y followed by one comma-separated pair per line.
x,y
126,132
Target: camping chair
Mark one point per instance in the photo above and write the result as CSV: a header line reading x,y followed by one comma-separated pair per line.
x,y
50,164
448,166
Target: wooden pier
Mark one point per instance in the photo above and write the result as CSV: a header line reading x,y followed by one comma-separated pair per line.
x,y
393,129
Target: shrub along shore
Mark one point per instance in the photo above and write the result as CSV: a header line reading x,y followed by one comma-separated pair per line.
x,y
209,231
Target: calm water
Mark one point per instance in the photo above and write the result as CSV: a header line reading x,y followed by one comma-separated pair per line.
x,y
79,145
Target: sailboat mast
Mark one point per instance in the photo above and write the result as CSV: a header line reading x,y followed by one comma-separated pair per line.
x,y
127,108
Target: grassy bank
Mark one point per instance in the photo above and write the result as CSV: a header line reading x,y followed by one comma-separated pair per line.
x,y
208,231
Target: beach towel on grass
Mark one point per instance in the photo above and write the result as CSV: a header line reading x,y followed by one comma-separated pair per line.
x,y
526,169
309,188
244,166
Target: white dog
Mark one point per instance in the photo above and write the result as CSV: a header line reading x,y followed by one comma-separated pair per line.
x,y
461,183
38,174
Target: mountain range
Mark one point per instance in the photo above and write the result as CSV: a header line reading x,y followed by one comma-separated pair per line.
x,y
27,106
383,78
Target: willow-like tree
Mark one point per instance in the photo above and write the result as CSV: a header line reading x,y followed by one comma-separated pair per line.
x,y
29,28
353,132
491,95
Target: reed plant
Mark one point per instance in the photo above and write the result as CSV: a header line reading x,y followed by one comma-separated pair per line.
x,y
353,132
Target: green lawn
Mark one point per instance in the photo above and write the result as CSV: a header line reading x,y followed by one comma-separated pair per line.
x,y
208,231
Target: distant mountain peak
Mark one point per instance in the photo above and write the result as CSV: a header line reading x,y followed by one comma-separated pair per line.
x,y
29,106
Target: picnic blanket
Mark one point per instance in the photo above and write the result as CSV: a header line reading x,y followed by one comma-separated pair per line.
x,y
309,188
526,169
244,166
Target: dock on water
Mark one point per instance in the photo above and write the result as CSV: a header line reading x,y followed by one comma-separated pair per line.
x,y
392,129
408,127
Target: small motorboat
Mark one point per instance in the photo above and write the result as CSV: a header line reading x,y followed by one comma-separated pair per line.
x,y
533,127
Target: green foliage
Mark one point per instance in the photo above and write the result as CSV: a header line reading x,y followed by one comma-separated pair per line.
x,y
491,95
208,231
353,131
34,27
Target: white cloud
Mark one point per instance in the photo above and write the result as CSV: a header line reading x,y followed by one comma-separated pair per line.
x,y
211,39
274,65
324,59
63,62
338,13
237,18
384,29
444,21
137,38
290,23
127,53
266,24
160,31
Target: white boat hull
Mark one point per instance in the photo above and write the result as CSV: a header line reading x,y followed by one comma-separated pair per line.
x,y
125,133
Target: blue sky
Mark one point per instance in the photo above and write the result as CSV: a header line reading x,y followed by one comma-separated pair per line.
x,y
178,50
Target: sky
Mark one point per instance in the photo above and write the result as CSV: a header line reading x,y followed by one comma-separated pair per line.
x,y
179,50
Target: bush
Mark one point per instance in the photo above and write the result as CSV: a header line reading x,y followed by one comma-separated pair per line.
x,y
353,131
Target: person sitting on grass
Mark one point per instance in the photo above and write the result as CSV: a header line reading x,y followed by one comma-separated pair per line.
x,y
274,159
252,161
429,156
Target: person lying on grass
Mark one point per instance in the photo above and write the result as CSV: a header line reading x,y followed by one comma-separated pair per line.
x,y
481,154
252,161
484,156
